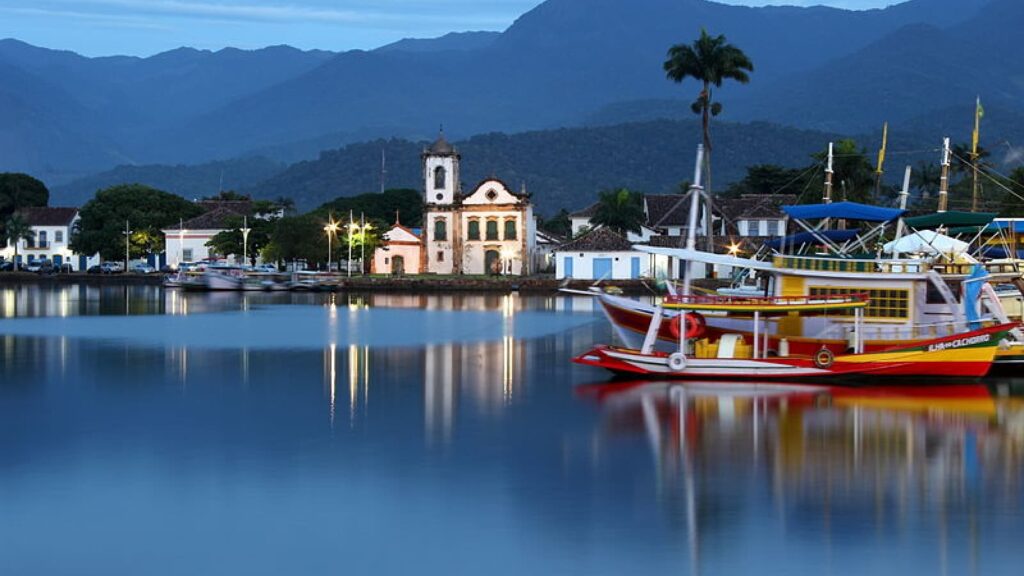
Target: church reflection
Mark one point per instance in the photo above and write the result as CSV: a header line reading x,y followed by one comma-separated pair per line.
x,y
837,461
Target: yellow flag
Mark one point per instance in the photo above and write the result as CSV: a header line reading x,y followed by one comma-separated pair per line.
x,y
979,113
881,151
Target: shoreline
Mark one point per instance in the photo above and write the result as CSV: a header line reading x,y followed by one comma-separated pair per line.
x,y
407,284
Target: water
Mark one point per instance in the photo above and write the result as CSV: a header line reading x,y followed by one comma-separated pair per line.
x,y
144,432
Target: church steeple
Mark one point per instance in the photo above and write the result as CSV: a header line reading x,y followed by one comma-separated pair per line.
x,y
440,172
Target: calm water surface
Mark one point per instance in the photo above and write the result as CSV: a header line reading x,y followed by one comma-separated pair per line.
x,y
150,432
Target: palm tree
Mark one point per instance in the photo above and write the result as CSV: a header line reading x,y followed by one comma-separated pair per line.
x,y
620,209
17,229
710,60
926,178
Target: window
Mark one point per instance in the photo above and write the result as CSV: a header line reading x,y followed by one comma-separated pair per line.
x,y
186,254
510,229
440,177
42,238
58,236
491,195
440,230
474,230
440,256
772,228
492,229
884,304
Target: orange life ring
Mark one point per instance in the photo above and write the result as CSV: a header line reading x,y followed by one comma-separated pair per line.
x,y
695,325
824,358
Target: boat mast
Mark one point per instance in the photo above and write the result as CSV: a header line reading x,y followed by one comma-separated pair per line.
x,y
944,180
691,232
974,152
880,168
827,196
904,194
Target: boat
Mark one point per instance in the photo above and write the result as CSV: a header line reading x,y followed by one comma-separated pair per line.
x,y
966,351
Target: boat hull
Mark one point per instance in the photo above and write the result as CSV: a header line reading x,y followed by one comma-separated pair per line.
x,y
967,355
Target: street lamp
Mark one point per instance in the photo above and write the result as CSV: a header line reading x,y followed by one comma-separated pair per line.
x,y
245,240
330,229
127,238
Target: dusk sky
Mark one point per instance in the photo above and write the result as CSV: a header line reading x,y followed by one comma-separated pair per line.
x,y
145,27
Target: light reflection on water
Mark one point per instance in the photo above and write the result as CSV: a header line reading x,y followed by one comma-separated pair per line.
x,y
492,456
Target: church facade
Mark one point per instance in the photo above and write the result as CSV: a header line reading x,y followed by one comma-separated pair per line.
x,y
490,230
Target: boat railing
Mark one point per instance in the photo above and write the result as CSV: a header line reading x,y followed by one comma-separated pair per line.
x,y
850,265
965,269
922,331
766,301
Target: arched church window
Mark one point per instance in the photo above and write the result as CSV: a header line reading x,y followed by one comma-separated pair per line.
x,y
473,232
492,229
440,177
440,229
510,229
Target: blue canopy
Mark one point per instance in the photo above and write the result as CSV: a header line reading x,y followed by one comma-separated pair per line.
x,y
1016,226
844,211
803,238
999,253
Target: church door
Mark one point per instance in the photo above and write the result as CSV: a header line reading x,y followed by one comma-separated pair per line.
x,y
398,265
492,262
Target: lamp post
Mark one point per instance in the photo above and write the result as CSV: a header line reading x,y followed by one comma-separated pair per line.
x,y
331,228
363,228
348,263
127,238
245,241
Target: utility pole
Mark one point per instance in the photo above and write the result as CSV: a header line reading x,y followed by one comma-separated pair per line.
x,y
362,243
351,224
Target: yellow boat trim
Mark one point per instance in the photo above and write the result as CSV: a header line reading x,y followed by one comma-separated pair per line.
x,y
976,354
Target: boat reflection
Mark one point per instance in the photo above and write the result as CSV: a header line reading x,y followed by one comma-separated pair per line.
x,y
844,461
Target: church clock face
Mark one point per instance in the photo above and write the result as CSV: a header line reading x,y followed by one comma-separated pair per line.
x,y
440,197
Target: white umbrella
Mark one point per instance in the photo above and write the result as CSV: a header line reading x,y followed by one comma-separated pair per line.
x,y
926,242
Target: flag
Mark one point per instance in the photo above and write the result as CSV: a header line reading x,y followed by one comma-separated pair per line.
x,y
881,151
979,113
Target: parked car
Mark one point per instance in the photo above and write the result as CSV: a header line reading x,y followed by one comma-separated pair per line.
x,y
111,268
143,269
266,268
66,268
33,266
94,269
7,266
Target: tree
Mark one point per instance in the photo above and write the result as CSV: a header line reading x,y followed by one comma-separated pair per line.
x,y
558,224
286,204
1011,204
710,60
229,196
16,229
927,178
620,209
232,241
403,203
146,210
20,191
770,179
853,175
299,238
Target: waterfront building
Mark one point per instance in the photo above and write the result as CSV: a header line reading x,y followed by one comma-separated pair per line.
x,y
186,242
400,252
490,230
52,228
601,254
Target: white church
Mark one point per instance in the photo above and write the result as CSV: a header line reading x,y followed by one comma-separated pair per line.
x,y
490,230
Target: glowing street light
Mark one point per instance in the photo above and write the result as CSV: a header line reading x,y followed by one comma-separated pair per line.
x,y
331,229
734,249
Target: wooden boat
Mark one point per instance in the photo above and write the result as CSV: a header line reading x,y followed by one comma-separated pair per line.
x,y
731,357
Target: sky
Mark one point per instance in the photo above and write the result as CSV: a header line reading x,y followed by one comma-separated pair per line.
x,y
146,27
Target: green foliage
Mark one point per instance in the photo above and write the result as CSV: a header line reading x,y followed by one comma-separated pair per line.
x,y
229,196
854,176
773,179
558,224
1011,204
20,191
403,203
299,238
16,229
710,60
620,209
147,211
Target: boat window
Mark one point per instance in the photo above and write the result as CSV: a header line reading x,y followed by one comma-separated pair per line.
x,y
887,304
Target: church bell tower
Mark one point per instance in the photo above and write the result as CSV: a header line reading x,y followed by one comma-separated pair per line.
x,y
440,173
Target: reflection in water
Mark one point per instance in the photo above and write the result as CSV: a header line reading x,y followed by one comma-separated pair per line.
x,y
880,460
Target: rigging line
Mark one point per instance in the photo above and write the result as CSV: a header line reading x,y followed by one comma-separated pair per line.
x,y
984,171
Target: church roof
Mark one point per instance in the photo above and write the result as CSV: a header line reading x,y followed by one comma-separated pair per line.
x,y
441,147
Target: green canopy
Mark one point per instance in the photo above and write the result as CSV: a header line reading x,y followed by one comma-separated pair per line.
x,y
950,220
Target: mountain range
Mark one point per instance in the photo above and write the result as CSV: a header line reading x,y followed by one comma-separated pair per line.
x,y
565,63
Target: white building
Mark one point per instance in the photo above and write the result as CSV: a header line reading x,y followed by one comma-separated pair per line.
x,y
401,252
491,230
52,228
187,241
601,254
